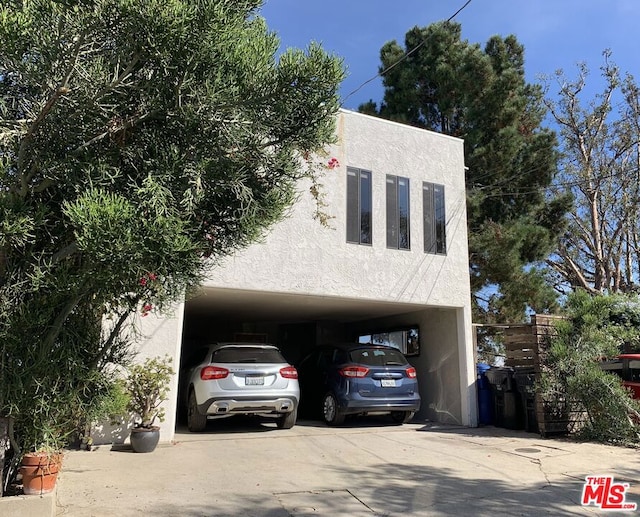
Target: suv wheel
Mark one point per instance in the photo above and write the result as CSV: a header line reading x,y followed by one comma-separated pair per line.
x,y
195,421
401,417
288,420
330,411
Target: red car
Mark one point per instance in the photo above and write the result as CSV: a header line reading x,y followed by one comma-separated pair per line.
x,y
627,367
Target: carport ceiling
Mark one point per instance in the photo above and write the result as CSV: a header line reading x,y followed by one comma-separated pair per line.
x,y
262,306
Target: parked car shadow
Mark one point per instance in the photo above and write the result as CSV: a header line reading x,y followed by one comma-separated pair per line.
x,y
257,424
353,421
234,424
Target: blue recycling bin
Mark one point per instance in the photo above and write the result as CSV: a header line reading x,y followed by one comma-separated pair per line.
x,y
485,395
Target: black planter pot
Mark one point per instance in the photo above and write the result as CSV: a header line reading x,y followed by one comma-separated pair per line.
x,y
143,439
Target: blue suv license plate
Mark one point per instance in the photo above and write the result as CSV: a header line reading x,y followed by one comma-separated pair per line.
x,y
388,383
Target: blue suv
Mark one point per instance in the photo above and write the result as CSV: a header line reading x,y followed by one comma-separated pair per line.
x,y
352,378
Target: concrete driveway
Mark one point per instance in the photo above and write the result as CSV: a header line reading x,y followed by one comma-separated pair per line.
x,y
240,468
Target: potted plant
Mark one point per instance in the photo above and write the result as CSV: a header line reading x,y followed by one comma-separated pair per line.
x,y
148,387
39,467
39,471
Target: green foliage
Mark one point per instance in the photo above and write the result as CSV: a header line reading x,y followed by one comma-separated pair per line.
x,y
598,327
52,390
110,405
137,140
148,386
611,324
452,86
612,415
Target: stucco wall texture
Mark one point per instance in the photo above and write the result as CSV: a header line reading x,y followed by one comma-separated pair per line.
x,y
299,255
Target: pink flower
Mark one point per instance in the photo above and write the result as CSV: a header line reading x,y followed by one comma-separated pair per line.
x,y
146,308
152,276
333,163
143,281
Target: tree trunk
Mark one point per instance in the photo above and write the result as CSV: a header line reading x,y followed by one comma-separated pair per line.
x,y
4,439
7,441
4,445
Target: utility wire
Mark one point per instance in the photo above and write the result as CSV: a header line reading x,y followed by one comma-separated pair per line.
x,y
488,174
404,56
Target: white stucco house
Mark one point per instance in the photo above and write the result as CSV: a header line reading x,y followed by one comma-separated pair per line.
x,y
393,263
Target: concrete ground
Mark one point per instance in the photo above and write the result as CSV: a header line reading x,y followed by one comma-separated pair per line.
x,y
240,468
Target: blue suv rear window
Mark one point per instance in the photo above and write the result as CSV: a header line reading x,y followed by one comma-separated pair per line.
x,y
377,357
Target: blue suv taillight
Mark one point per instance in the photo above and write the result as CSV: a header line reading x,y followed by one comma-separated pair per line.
x,y
354,371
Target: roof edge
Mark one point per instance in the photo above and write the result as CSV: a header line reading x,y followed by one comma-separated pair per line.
x,y
384,120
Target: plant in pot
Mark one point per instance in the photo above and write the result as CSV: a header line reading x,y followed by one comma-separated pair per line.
x,y
39,468
148,386
39,471
45,412
109,406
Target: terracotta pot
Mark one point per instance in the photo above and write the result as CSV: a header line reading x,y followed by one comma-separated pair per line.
x,y
40,472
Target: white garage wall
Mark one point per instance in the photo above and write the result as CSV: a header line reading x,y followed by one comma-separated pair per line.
x,y
159,334
162,334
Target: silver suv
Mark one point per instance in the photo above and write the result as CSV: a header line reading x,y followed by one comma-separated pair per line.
x,y
226,379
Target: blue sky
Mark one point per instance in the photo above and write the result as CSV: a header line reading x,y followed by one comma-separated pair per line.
x,y
555,33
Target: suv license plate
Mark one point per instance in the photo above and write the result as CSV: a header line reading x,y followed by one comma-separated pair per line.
x,y
388,383
254,381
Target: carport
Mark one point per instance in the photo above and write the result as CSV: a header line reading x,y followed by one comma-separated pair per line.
x,y
296,323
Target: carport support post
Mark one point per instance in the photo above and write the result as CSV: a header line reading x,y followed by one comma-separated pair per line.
x,y
467,356
474,336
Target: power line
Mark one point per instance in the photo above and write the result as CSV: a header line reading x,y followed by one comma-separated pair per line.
x,y
404,56
488,174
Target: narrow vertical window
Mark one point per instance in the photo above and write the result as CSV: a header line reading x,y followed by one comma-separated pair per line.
x,y
398,235
434,218
441,223
359,206
366,206
353,205
392,212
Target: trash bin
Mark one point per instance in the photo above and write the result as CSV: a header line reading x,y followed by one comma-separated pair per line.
x,y
526,383
507,402
485,396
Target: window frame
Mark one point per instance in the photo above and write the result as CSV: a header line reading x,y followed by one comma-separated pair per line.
x,y
394,201
434,218
354,214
